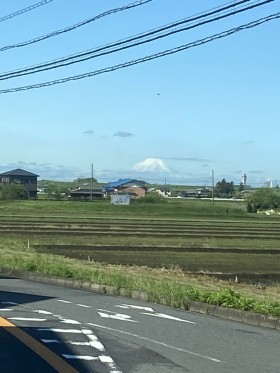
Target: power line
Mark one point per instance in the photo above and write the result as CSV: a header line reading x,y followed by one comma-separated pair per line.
x,y
75,26
150,57
25,10
83,56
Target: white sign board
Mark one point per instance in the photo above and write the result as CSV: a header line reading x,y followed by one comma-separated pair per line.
x,y
120,199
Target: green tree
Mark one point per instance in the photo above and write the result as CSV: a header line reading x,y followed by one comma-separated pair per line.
x,y
14,192
241,187
262,199
224,189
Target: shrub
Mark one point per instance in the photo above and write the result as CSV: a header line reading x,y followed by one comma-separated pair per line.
x,y
14,192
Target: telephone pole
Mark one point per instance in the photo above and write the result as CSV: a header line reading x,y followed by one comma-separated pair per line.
x,y
213,188
91,182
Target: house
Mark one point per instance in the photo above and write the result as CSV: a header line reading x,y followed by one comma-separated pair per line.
x,y
132,187
194,193
22,177
86,193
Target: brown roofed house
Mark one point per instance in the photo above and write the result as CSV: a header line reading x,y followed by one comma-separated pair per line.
x,y
19,176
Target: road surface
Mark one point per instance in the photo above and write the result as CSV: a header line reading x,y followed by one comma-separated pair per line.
x,y
68,329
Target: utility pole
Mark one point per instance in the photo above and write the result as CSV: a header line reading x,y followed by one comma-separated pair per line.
x,y
91,182
213,188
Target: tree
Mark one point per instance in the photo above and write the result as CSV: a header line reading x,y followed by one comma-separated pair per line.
x,y
224,188
241,187
263,198
14,192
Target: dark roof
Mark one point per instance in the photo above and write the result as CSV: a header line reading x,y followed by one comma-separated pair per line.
x,y
121,182
86,190
18,172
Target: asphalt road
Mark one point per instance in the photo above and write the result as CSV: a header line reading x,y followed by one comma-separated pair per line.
x,y
103,334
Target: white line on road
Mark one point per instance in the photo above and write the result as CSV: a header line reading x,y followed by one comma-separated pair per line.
x,y
63,301
6,309
43,312
89,344
69,321
83,305
11,303
26,319
80,357
164,316
54,330
158,343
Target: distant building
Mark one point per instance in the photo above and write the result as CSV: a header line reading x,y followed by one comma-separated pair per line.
x,y
132,187
194,193
22,177
86,193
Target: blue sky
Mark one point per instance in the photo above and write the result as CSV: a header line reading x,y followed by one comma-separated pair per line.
x,y
211,107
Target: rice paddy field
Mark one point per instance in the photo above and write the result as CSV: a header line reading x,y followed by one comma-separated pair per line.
x,y
189,236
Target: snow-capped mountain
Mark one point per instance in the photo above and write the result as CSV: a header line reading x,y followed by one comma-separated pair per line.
x,y
151,165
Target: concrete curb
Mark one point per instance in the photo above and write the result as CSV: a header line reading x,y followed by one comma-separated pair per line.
x,y
250,318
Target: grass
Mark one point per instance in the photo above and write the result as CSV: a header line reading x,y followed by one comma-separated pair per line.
x,y
160,248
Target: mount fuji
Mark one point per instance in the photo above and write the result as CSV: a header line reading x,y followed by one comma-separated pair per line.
x,y
151,165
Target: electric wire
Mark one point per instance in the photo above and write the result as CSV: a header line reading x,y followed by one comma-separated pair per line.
x,y
83,56
75,26
149,57
25,10
84,22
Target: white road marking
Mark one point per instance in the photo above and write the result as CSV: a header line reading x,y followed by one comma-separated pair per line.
x,y
110,362
80,357
105,359
159,343
6,309
87,331
114,315
68,321
131,306
43,312
164,316
90,344
83,305
63,301
94,342
51,341
26,319
54,330
11,303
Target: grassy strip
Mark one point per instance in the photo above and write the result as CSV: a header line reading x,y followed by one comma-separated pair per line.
x,y
170,292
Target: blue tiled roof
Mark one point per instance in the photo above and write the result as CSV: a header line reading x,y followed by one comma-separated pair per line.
x,y
115,184
120,182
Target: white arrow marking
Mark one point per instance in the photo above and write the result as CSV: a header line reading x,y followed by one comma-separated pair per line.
x,y
131,306
116,316
164,316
